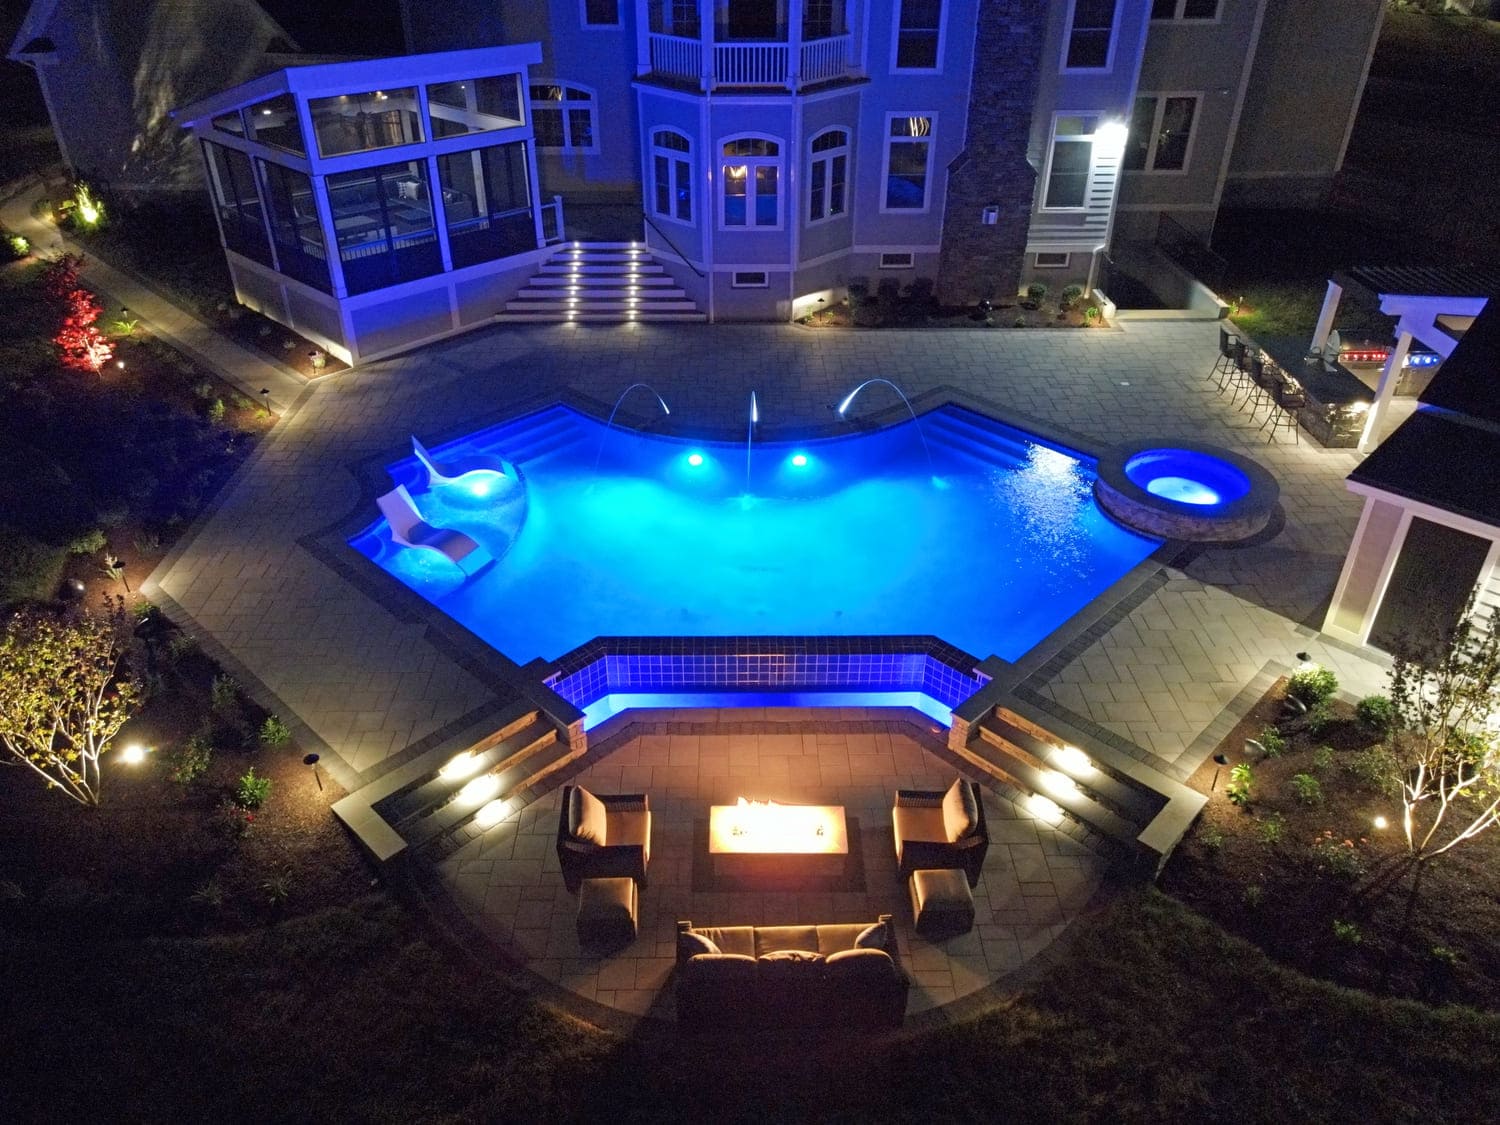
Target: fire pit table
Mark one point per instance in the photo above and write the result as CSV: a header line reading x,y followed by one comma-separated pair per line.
x,y
752,838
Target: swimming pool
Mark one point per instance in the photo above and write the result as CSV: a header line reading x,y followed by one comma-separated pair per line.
x,y
985,536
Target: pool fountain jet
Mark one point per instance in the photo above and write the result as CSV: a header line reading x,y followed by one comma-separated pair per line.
x,y
849,399
749,434
664,409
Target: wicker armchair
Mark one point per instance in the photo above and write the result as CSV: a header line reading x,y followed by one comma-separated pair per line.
x,y
603,836
941,828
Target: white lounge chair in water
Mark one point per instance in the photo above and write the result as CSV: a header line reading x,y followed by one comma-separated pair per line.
x,y
452,470
409,529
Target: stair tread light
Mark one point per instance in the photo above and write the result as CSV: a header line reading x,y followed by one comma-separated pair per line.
x,y
480,789
1072,759
1044,808
492,813
460,765
1060,783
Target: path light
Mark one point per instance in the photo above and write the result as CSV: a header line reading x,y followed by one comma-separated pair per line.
x,y
311,760
1220,761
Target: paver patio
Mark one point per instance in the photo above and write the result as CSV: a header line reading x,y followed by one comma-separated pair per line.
x,y
268,589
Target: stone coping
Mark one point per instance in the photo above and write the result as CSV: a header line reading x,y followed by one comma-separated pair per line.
x,y
1227,522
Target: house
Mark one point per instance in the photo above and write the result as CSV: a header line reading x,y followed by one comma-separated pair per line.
x,y
1429,536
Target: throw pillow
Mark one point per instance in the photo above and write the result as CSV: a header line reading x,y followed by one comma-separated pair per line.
x,y
689,943
586,817
871,937
792,956
960,814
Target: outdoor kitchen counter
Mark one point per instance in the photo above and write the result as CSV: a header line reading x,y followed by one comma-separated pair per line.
x,y
1337,400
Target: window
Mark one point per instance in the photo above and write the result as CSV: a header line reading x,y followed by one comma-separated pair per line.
x,y
486,203
750,280
300,252
383,221
230,123
752,182
822,19
1090,35
1161,131
1068,167
274,122
828,178
1047,260
908,162
475,105
675,17
672,175
563,118
601,13
361,122
919,33
238,202
901,261
1184,9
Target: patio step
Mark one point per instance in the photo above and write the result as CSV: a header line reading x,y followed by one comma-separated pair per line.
x,y
610,282
434,790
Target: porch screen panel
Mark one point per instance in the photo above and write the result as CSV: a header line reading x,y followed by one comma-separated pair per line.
x,y
294,226
1434,575
364,121
237,201
486,203
384,222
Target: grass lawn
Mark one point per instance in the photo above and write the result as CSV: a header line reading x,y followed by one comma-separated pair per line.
x,y
358,1013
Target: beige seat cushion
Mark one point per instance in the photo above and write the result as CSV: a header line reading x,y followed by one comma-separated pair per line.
x,y
587,819
768,939
833,939
941,890
631,827
919,823
960,813
738,940
860,965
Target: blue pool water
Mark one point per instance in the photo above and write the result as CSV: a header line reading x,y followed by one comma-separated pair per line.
x,y
991,546
1187,476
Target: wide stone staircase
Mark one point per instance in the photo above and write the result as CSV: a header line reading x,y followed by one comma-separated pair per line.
x,y
614,282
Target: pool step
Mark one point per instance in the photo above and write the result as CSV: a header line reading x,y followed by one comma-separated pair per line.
x,y
991,449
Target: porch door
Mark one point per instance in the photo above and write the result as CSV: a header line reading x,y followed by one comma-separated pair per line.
x,y
1434,575
753,19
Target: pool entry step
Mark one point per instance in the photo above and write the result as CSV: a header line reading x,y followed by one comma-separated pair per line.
x,y
613,282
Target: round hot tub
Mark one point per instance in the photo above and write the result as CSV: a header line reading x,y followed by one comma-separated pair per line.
x,y
1186,490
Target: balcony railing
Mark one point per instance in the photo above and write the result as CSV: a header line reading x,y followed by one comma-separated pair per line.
x,y
789,66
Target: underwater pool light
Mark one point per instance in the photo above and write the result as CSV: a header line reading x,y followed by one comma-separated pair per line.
x,y
695,459
799,460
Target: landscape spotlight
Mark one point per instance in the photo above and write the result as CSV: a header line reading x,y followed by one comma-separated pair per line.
x,y
133,754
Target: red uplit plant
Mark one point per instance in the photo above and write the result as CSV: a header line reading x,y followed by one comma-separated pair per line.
x,y
83,346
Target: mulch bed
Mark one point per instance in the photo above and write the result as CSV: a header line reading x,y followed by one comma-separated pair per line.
x,y
1424,932
1010,315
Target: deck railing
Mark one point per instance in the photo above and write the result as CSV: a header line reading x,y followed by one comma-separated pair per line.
x,y
751,64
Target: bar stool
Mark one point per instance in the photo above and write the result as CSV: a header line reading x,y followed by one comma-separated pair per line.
x,y
1238,380
1290,398
1225,363
1267,381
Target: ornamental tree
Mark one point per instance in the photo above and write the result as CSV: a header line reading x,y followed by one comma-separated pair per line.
x,y
82,345
66,689
1447,740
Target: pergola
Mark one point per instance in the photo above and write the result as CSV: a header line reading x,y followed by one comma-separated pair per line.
x,y
1434,305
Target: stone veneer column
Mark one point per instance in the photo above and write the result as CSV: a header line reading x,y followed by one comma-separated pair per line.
x,y
976,260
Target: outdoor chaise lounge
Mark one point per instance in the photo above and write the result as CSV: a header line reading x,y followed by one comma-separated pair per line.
x,y
604,836
452,470
937,829
409,529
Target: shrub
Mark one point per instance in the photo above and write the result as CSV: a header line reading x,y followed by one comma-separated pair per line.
x,y
190,760
1240,780
1339,858
1444,957
1210,837
1272,743
1092,315
1376,712
1376,769
210,894
252,792
273,732
1070,295
224,696
1312,683
216,411
232,821
1347,932
1320,717
1270,829
1322,758
1036,293
859,292
89,543
29,569
1307,789
278,887
1254,894
1019,322
179,646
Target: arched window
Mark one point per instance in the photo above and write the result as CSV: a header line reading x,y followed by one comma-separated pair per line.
x,y
828,175
672,175
752,182
562,117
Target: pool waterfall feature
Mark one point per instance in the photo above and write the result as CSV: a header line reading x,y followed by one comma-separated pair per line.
x,y
850,574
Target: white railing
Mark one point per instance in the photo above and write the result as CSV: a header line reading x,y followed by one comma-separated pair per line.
x,y
750,64
824,59
678,57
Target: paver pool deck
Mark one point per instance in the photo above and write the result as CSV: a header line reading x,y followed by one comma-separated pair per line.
x,y
366,683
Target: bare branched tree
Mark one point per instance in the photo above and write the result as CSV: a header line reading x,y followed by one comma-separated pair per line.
x,y
1446,738
66,689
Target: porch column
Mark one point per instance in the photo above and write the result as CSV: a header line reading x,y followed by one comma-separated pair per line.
x,y
794,45
1390,374
1325,318
642,36
706,17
